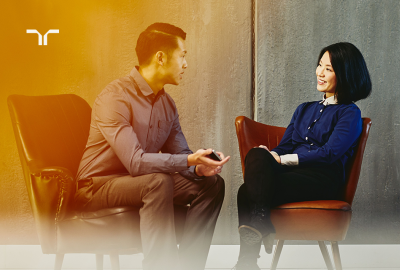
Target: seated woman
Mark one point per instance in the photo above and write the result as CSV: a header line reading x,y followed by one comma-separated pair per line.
x,y
309,163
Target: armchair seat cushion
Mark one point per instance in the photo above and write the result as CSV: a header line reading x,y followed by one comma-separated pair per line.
x,y
312,220
322,204
85,231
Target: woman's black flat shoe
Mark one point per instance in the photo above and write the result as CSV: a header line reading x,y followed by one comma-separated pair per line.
x,y
258,228
249,235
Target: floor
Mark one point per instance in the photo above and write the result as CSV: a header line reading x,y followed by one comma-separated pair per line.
x,y
355,257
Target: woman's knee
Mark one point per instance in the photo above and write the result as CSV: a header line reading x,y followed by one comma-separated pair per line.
x,y
257,154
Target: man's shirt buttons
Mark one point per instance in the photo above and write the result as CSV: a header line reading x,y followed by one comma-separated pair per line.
x,y
321,110
306,138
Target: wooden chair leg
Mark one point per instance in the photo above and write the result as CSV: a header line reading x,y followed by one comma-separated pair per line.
x,y
277,254
59,261
114,257
325,254
336,255
99,261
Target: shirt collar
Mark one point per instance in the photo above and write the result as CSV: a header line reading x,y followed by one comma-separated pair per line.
x,y
144,87
329,101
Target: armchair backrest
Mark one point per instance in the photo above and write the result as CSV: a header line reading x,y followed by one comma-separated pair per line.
x,y
51,133
353,166
50,130
251,133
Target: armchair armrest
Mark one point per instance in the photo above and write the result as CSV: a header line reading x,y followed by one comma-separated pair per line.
x,y
51,193
251,134
55,186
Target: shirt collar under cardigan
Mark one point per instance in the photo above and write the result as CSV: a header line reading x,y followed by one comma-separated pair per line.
x,y
329,101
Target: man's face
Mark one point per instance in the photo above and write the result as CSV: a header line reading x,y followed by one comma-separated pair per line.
x,y
175,64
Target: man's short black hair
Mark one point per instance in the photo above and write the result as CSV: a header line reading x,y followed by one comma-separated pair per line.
x,y
157,37
352,77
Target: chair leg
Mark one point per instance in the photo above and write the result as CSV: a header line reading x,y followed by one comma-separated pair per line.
x,y
59,261
99,261
325,254
114,257
277,254
336,255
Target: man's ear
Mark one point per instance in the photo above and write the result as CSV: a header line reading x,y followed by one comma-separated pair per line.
x,y
160,57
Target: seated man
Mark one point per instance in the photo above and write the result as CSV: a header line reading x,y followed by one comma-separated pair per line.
x,y
133,120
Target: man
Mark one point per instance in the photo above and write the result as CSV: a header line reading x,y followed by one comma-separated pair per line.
x,y
133,120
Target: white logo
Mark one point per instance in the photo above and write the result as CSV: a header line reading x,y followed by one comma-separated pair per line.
x,y
34,31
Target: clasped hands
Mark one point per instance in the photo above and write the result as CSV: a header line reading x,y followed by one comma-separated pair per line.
x,y
206,166
277,157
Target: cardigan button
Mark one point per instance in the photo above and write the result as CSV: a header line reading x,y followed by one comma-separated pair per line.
x,y
321,110
306,138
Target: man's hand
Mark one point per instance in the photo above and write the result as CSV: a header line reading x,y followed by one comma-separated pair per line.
x,y
277,157
202,170
206,166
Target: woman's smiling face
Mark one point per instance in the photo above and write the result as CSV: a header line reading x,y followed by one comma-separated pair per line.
x,y
326,78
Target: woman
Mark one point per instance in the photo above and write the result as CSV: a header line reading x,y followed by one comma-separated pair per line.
x,y
309,163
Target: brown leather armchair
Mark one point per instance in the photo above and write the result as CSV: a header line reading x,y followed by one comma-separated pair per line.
x,y
51,133
325,220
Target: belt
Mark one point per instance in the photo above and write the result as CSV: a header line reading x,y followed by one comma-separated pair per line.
x,y
84,183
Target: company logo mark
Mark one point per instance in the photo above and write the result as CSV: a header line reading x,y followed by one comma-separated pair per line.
x,y
34,31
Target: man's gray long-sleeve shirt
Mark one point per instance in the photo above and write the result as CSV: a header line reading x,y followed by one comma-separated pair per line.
x,y
129,127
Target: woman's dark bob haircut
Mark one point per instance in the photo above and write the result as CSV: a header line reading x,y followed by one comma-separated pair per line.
x,y
352,77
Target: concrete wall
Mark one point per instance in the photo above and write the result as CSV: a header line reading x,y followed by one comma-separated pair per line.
x,y
95,46
290,36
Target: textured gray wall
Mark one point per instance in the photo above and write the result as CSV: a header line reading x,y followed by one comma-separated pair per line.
x,y
290,36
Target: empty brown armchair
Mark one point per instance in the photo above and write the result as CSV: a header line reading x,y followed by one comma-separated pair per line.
x,y
325,220
51,134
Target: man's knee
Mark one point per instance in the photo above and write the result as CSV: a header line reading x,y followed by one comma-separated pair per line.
x,y
216,183
220,182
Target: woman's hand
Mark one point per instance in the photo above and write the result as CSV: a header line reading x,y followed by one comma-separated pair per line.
x,y
206,166
263,146
276,156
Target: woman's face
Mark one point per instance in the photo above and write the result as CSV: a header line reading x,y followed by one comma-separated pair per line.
x,y
326,78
